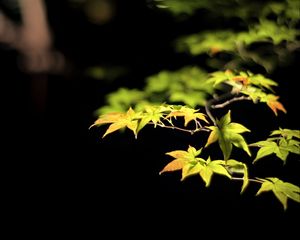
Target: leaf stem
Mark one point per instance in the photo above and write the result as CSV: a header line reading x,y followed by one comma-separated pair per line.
x,y
250,179
183,129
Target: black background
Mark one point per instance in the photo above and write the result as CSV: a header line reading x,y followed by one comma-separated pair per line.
x,y
61,170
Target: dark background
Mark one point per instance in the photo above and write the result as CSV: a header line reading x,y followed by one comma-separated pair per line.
x,y
59,168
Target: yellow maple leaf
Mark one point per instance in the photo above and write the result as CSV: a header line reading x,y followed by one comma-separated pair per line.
x,y
189,114
118,121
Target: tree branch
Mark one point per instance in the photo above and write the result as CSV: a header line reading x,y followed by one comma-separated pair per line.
x,y
211,102
221,105
183,129
208,112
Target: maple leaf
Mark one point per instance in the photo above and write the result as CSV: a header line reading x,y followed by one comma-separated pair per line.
x,y
152,113
228,133
189,114
266,148
191,98
210,167
190,164
275,105
236,167
282,190
185,160
281,146
286,133
219,77
242,79
258,95
261,81
118,121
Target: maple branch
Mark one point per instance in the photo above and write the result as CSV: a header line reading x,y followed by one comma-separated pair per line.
x,y
221,105
209,104
250,179
183,129
208,112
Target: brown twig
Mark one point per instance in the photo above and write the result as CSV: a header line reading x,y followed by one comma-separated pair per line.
x,y
221,105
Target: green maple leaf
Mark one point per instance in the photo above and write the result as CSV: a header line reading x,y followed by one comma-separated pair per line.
x,y
228,133
186,161
258,95
261,81
236,167
191,98
281,146
121,100
189,114
190,164
210,167
282,190
287,133
266,148
219,77
152,113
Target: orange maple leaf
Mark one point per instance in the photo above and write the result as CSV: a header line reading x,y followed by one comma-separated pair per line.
x,y
175,165
214,50
275,105
244,80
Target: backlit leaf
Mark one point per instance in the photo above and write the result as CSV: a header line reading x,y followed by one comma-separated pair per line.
x,y
282,190
176,164
213,136
236,167
282,198
219,77
245,178
190,164
274,104
185,160
118,121
191,169
281,146
287,133
262,82
189,114
265,187
266,150
206,174
228,133
217,166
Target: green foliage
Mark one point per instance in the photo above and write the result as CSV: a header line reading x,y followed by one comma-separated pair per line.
x,y
255,86
284,11
237,44
282,190
191,92
188,85
235,167
227,134
281,146
216,41
188,162
105,72
121,100
157,115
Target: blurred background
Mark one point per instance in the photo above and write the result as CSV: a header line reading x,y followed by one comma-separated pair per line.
x,y
58,62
